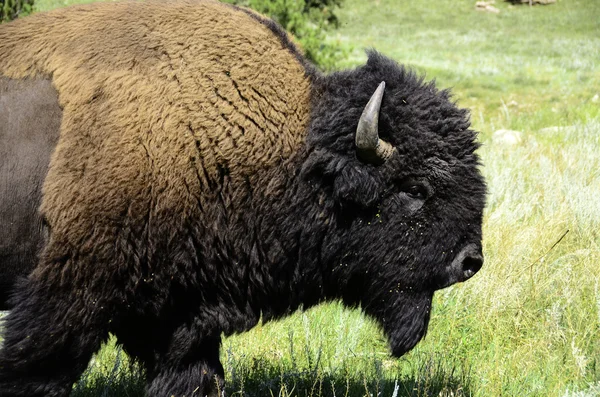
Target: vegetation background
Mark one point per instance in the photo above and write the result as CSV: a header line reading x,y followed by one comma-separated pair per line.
x,y
529,323
11,9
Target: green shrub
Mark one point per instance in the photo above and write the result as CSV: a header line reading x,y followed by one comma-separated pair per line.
x,y
10,9
308,21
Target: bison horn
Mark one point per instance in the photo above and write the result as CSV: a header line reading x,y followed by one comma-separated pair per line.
x,y
368,145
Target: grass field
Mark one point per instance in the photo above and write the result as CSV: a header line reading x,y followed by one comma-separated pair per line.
x,y
529,323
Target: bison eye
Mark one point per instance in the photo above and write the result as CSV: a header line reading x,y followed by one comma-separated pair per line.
x,y
416,192
415,189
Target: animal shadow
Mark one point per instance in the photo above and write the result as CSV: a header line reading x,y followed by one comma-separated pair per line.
x,y
260,377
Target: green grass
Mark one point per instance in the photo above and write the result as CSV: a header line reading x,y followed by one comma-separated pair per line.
x,y
529,323
47,5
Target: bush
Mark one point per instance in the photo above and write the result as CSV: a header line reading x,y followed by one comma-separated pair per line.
x,y
10,9
308,21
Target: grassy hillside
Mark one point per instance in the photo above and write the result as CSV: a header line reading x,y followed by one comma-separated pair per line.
x,y
529,323
526,67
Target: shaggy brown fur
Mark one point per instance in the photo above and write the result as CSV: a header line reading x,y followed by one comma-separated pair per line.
x,y
176,99
173,96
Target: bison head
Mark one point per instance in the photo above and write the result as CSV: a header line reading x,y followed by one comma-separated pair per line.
x,y
397,159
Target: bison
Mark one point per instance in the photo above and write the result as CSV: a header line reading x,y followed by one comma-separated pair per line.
x,y
195,173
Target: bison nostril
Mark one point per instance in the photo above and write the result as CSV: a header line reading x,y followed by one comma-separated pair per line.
x,y
471,265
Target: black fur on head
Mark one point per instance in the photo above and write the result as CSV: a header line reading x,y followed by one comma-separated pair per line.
x,y
404,227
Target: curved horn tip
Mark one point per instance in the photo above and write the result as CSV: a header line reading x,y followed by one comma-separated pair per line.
x,y
375,102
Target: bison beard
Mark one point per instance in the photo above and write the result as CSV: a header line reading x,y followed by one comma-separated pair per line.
x,y
406,322
206,176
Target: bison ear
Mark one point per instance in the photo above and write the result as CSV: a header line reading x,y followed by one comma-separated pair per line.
x,y
356,186
349,181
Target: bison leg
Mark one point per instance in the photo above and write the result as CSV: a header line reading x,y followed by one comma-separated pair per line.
x,y
49,338
189,368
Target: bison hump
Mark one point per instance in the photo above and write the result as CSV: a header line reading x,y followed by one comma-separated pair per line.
x,y
154,91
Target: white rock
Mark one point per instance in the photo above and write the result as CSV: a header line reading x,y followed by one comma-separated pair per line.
x,y
486,6
507,137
